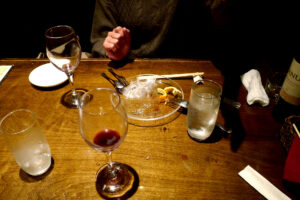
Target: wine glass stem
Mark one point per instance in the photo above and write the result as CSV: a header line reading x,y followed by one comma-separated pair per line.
x,y
109,158
71,80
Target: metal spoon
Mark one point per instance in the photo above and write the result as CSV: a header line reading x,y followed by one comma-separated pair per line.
x,y
122,79
230,102
117,84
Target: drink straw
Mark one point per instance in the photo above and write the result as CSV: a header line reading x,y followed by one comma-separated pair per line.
x,y
296,129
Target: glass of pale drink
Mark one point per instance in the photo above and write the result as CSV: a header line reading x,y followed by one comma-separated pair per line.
x,y
203,108
26,141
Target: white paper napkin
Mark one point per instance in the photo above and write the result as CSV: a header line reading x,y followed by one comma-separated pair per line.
x,y
4,69
256,92
262,185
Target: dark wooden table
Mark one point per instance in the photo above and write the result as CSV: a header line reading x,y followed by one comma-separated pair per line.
x,y
169,164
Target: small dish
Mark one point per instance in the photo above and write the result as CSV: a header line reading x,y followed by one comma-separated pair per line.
x,y
47,75
143,103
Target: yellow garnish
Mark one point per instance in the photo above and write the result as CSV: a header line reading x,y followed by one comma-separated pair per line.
x,y
169,89
163,95
161,91
167,93
173,90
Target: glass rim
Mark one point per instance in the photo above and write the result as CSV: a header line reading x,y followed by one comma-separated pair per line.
x,y
112,92
58,26
211,81
23,130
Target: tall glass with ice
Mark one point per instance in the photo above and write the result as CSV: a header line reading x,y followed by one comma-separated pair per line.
x,y
203,108
26,141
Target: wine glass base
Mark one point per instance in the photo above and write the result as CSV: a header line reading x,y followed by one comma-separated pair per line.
x,y
115,181
70,100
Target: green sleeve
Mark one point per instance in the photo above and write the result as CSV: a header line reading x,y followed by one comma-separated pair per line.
x,y
104,21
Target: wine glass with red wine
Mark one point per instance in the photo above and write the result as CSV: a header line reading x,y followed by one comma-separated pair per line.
x,y
103,126
64,52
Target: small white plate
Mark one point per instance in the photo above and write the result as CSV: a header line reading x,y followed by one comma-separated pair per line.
x,y
47,75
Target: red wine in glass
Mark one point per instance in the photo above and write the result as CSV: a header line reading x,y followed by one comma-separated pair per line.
x,y
106,138
104,125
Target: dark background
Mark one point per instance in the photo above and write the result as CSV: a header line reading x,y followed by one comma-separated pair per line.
x,y
23,23
257,28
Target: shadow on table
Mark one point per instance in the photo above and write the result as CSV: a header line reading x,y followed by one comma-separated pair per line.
x,y
119,64
292,188
238,133
129,193
28,178
231,115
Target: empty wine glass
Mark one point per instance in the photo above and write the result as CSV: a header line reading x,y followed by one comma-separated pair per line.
x,y
64,52
103,126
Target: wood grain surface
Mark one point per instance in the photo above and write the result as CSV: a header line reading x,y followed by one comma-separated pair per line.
x,y
169,164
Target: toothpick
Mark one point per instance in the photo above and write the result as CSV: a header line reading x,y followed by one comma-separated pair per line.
x,y
296,129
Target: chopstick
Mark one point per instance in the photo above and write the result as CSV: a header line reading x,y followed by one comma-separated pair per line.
x,y
296,129
184,75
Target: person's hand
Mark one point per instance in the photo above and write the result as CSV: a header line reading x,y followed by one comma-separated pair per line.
x,y
117,43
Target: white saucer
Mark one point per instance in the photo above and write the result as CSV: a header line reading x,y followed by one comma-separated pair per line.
x,y
47,75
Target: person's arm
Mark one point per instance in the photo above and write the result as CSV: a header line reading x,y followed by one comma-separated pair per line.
x,y
103,22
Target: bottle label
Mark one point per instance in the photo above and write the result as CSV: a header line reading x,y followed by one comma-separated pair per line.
x,y
290,90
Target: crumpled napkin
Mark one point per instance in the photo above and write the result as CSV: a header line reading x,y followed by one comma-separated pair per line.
x,y
292,164
256,92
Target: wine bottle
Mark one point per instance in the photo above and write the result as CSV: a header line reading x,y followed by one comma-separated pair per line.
x,y
289,96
